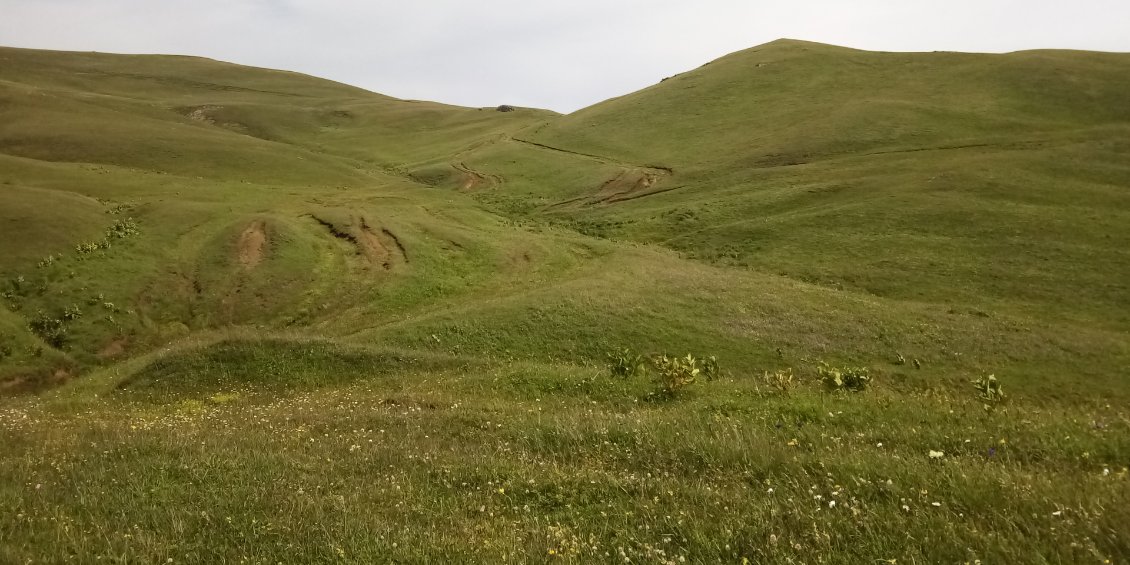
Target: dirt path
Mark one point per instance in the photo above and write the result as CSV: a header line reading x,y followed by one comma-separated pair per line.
x,y
634,181
473,179
654,169
252,245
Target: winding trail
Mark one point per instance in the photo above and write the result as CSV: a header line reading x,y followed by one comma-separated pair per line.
x,y
659,170
634,180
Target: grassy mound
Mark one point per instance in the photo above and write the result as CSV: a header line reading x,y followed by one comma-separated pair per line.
x,y
271,365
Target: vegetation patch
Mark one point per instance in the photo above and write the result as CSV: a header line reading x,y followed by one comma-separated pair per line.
x,y
271,364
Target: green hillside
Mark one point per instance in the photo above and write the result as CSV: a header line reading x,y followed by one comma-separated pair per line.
x,y
949,178
256,316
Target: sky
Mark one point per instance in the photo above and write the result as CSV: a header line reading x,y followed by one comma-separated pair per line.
x,y
547,54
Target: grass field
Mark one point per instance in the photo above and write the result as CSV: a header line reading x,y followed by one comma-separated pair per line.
x,y
254,316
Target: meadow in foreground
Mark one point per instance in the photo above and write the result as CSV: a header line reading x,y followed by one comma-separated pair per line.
x,y
437,459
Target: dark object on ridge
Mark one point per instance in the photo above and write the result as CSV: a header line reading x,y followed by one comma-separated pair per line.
x,y
506,108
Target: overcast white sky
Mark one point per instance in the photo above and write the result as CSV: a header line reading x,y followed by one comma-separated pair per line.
x,y
558,55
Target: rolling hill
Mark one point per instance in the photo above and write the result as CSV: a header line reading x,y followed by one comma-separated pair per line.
x,y
241,301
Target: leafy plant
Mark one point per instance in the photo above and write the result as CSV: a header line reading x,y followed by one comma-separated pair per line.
x,y
72,312
50,329
781,380
18,285
990,391
710,368
122,229
853,379
626,363
91,247
673,374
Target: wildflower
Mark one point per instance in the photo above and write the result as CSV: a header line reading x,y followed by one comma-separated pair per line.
x,y
937,454
935,504
831,504
793,442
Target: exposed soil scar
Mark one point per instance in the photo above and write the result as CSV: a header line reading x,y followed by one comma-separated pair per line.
x,y
252,245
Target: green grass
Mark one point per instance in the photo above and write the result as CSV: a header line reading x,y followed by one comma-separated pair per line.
x,y
532,462
352,328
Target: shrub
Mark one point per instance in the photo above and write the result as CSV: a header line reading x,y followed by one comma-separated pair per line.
x,y
122,229
91,247
18,286
626,363
710,368
72,312
781,380
853,379
674,374
52,330
990,391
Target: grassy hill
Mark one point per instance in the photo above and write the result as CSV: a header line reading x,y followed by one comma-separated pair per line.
x,y
240,302
947,178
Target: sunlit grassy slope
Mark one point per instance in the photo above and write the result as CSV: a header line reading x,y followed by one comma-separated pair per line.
x,y
255,315
948,178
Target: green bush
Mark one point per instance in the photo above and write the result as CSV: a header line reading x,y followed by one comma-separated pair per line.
x,y
781,380
852,379
710,368
990,391
91,247
122,229
626,363
673,374
72,312
50,329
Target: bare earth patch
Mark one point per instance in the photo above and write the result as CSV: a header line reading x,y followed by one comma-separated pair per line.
x,y
113,349
252,245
